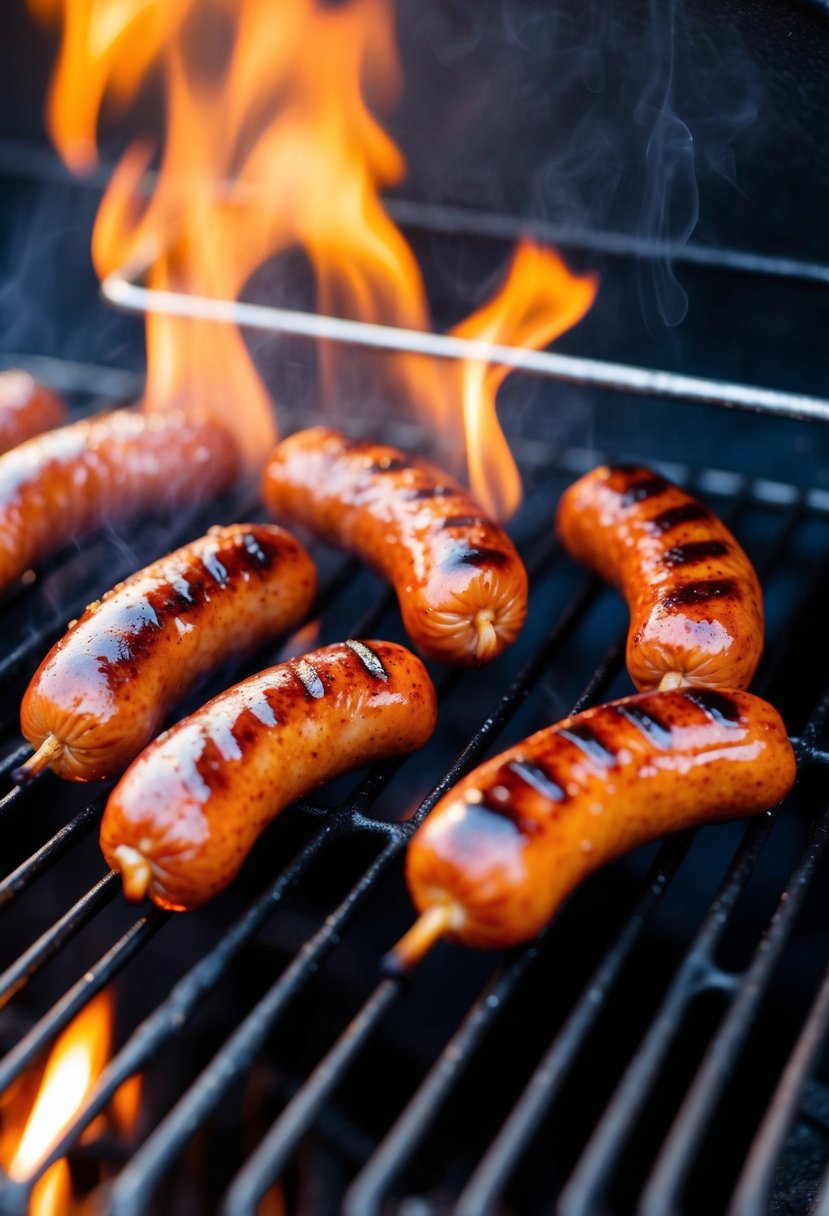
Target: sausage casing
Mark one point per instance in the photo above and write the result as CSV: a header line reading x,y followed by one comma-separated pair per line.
x,y
27,407
500,852
461,585
104,689
186,813
696,608
103,470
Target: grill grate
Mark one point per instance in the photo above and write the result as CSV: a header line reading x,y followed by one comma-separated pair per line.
x,y
582,1168
587,1181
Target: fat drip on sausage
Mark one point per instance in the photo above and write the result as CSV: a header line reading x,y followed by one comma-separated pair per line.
x,y
104,689
460,583
187,812
696,607
499,853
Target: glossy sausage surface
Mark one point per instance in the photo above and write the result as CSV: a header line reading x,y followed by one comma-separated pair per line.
x,y
26,408
461,585
186,813
107,469
499,853
103,690
696,608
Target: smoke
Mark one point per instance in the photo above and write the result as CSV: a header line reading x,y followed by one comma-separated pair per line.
x,y
607,116
670,202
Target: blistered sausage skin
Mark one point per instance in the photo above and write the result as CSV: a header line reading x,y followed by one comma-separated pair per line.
x,y
461,586
499,853
26,408
104,689
696,608
107,469
186,813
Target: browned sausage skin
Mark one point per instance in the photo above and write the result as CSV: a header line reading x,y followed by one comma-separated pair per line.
x,y
461,585
499,853
26,408
103,690
186,813
696,608
62,484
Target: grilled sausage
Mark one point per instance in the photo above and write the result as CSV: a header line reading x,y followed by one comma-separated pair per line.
x,y
101,693
186,813
59,485
696,608
26,408
499,853
461,585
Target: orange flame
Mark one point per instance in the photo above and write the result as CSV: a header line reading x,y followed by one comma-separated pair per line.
x,y
39,1107
106,45
75,1062
539,300
126,1102
278,148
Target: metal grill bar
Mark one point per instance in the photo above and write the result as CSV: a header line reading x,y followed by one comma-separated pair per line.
x,y
46,856
22,160
489,1178
683,1139
57,936
120,290
93,980
171,1017
751,1195
134,1187
254,1179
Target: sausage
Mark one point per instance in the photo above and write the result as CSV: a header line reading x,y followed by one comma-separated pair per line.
x,y
186,813
26,408
461,585
101,693
104,470
500,851
696,608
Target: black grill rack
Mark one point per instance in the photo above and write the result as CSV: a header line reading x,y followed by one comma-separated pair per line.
x,y
579,657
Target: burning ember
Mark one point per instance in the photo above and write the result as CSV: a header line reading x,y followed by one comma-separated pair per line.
x,y
32,1121
276,148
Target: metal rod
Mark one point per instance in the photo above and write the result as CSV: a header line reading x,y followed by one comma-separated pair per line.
x,y
132,1190
122,292
62,931
481,1192
365,1196
23,160
78,996
663,1188
46,856
752,1194
171,1017
266,1163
